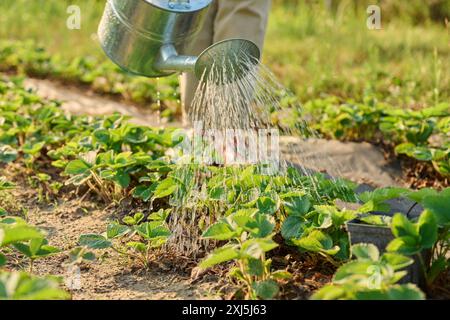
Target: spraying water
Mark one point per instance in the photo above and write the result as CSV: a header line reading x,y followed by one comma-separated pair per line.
x,y
241,95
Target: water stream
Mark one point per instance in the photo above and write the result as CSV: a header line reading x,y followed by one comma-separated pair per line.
x,y
236,117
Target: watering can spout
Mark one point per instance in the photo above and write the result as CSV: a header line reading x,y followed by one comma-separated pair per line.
x,y
231,59
169,60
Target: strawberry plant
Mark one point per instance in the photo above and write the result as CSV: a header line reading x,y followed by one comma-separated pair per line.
x,y
5,184
22,286
370,277
134,238
431,231
28,240
319,230
422,135
249,234
16,234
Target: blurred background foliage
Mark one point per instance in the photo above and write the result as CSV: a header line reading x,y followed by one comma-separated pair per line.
x,y
416,11
316,48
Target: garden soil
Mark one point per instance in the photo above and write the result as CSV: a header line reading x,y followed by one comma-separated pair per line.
x,y
115,277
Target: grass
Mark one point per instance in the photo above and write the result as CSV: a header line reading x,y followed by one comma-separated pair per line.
x,y
319,54
316,52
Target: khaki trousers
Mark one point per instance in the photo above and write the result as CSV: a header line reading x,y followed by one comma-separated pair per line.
x,y
226,19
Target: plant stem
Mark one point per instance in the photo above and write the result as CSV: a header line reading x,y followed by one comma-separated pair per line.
x,y
423,266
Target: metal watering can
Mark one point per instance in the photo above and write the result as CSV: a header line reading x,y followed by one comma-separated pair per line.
x,y
145,37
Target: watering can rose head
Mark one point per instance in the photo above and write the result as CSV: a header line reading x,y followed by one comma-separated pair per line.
x,y
147,37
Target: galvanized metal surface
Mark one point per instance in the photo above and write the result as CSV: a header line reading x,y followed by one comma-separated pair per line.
x,y
132,33
180,5
149,37
235,56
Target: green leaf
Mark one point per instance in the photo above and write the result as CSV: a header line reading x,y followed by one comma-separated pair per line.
x,y
352,268
5,184
338,217
383,194
77,167
267,289
122,178
79,254
421,154
376,220
144,192
371,294
161,215
420,195
22,286
439,205
165,188
295,204
324,221
33,149
220,231
405,292
260,225
329,292
2,259
374,206
404,245
244,216
317,241
138,246
217,193
401,226
281,275
255,267
134,220
428,229
437,267
18,233
138,217
220,255
36,244
116,230
89,256
23,248
255,248
405,148
153,230
396,261
36,248
366,251
94,241
102,136
266,205
47,250
7,154
293,227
